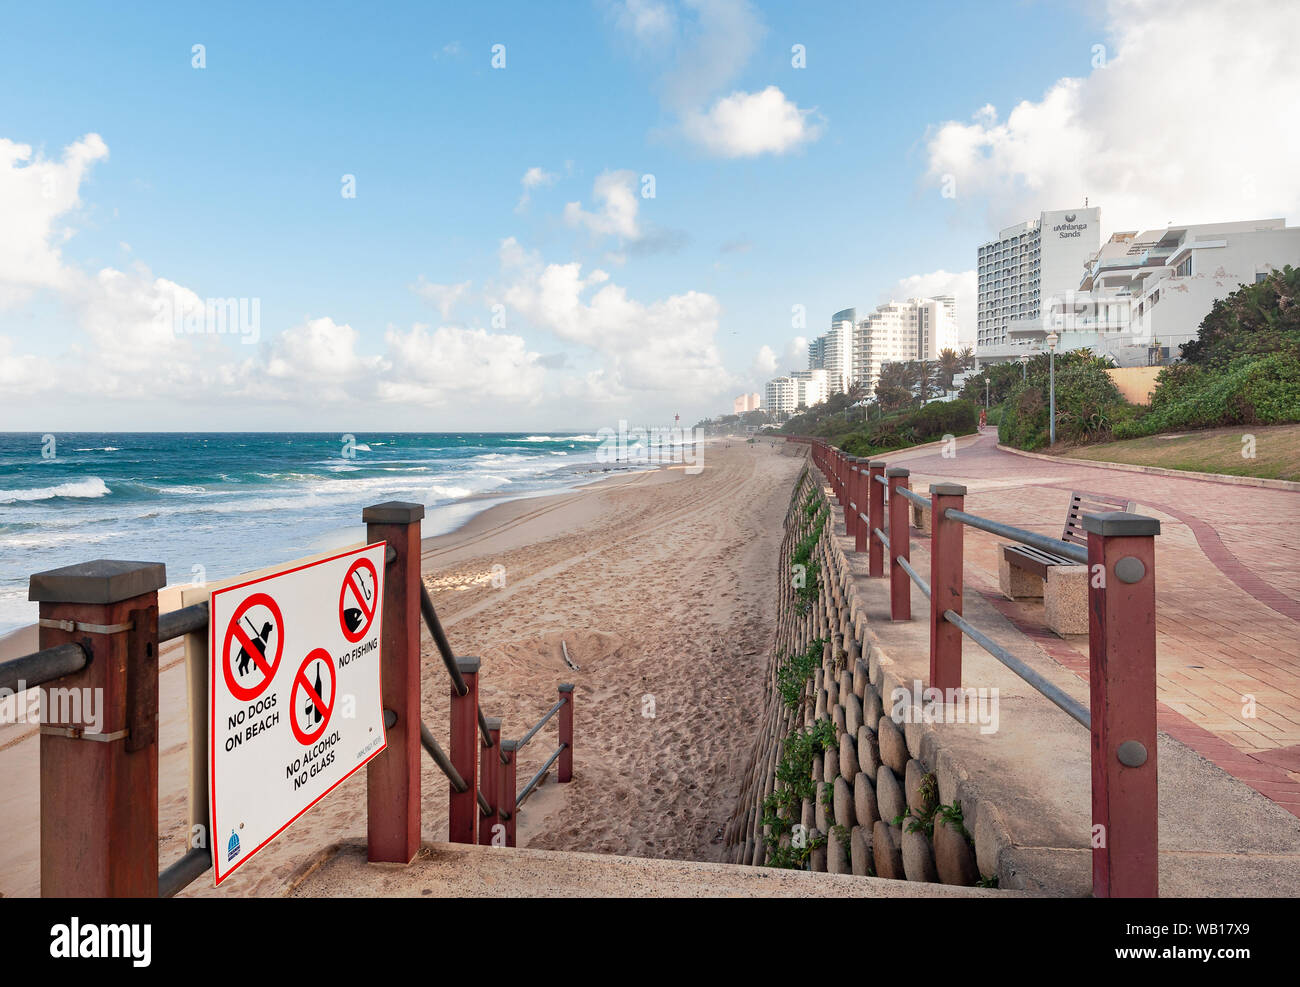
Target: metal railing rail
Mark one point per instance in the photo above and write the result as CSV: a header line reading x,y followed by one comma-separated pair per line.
x,y
1057,695
1121,711
537,778
1076,553
96,614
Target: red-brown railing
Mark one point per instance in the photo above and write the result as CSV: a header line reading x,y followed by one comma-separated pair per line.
x,y
1121,715
100,629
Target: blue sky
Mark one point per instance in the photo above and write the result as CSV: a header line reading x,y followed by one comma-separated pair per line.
x,y
774,186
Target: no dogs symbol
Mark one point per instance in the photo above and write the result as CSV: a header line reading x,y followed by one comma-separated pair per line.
x,y
312,697
357,599
253,645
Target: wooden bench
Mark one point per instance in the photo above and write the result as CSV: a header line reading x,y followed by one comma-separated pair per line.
x,y
1061,583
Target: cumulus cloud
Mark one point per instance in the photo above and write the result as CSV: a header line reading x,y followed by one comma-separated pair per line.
x,y
132,340
665,346
444,297
743,125
1207,142
767,363
35,192
700,54
616,195
534,178
962,285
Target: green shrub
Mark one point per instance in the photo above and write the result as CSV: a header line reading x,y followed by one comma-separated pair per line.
x,y
1250,390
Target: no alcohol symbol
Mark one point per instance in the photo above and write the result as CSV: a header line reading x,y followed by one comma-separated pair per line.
x,y
312,697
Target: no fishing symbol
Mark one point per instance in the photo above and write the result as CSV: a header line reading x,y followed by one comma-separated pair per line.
x,y
357,599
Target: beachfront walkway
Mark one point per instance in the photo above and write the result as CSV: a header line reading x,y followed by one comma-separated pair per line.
x,y
1228,595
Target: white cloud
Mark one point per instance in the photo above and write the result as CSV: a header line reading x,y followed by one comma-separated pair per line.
x,y
962,285
534,178
1190,119
444,297
664,346
616,194
700,54
649,22
432,367
768,364
34,193
747,124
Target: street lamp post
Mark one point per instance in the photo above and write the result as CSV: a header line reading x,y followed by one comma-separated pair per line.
x,y
1024,367
1051,387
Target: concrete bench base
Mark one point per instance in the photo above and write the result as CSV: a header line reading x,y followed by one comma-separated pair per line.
x,y
921,519
1016,583
1065,604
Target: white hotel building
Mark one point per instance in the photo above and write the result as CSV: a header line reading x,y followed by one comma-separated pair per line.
x,y
1027,264
1135,298
785,395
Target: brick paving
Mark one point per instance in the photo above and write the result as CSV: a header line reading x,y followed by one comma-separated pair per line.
x,y
1227,595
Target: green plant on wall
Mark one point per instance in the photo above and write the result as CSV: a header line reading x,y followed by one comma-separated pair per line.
x,y
794,783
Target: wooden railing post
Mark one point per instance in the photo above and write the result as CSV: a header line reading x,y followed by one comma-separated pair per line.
x,y
509,787
875,517
565,771
462,810
393,778
900,544
99,731
490,781
1122,683
861,490
946,546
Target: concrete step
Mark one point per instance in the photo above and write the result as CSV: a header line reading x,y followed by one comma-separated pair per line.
x,y
454,870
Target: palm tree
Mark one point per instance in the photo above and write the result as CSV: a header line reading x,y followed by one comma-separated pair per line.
x,y
950,364
967,357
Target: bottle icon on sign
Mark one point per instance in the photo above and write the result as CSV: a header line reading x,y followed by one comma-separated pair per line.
x,y
310,712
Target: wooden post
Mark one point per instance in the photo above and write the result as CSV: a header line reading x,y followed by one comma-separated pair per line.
x,y
861,490
875,517
946,546
900,544
99,731
462,810
1122,683
509,788
565,771
490,780
393,778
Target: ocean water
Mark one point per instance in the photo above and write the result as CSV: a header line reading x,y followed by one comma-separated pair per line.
x,y
212,505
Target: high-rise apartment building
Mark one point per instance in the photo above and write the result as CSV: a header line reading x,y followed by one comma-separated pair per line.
x,y
1025,265
916,329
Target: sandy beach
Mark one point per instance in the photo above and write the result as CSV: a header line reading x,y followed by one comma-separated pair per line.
x,y
660,585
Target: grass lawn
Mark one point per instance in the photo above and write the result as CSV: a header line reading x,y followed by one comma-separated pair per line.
x,y
1218,450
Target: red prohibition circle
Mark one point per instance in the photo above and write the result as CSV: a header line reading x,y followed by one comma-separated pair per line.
x,y
355,636
309,737
234,630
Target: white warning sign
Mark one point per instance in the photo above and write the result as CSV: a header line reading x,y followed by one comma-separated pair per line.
x,y
295,703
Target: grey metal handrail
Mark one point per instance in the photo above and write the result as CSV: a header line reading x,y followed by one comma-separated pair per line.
x,y
541,723
541,773
439,636
440,758
916,577
43,666
884,539
881,480
1058,696
914,497
184,872
178,623
1053,546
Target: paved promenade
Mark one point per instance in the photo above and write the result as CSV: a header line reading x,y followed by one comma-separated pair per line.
x,y
1227,596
